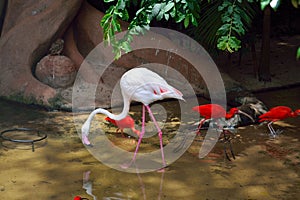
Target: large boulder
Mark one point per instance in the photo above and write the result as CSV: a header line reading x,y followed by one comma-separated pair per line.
x,y
56,71
29,29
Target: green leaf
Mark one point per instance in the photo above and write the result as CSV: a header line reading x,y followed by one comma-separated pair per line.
x,y
239,30
275,4
234,43
224,29
237,18
129,37
230,9
139,11
298,53
169,6
105,19
191,6
222,43
116,25
125,15
173,12
295,3
160,15
166,16
110,10
118,13
194,20
156,8
126,46
186,21
180,17
146,27
220,8
264,3
108,1
137,30
121,4
226,19
230,44
118,53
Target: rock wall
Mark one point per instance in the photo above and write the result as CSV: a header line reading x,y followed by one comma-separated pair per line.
x,y
2,13
29,29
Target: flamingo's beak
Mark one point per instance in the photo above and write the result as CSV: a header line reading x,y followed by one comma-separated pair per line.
x,y
85,140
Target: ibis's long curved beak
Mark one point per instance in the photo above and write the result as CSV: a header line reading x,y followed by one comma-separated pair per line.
x,y
247,115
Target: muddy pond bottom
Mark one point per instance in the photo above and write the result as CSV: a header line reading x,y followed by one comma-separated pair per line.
x,y
62,168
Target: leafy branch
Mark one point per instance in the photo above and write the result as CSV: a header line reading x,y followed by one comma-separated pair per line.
x,y
235,16
185,11
232,26
111,25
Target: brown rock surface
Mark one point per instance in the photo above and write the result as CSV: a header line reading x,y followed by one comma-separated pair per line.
x,y
28,31
31,27
88,30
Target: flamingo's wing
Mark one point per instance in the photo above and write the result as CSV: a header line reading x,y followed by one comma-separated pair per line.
x,y
143,85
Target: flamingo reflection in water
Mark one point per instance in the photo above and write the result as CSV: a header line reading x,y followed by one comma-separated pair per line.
x,y
88,186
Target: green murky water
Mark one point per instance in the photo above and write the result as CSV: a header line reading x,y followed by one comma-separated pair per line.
x,y
263,168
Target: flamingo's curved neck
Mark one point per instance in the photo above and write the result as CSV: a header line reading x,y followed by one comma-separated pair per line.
x,y
120,116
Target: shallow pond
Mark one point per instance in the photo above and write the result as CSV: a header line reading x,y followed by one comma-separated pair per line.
x,y
61,167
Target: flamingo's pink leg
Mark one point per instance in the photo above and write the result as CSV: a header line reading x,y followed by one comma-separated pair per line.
x,y
141,134
159,135
139,141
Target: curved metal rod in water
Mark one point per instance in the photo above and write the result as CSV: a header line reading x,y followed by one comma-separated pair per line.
x,y
23,141
227,140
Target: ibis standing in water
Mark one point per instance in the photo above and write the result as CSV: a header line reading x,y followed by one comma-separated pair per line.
x,y
213,111
127,122
275,114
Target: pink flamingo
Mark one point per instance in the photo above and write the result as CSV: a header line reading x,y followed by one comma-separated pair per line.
x,y
141,85
127,122
277,113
